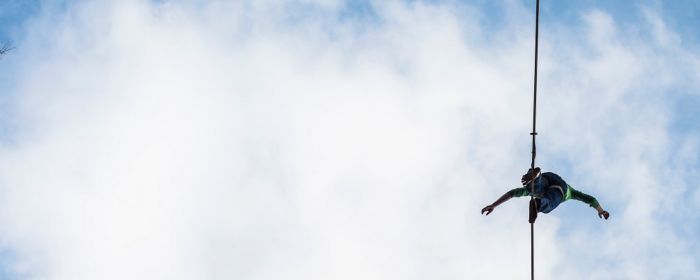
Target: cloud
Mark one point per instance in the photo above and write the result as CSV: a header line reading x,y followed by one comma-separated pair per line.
x,y
259,140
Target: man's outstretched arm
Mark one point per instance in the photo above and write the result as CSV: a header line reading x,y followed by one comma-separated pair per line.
x,y
590,200
505,197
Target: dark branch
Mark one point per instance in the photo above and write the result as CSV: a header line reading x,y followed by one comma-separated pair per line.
x,y
6,47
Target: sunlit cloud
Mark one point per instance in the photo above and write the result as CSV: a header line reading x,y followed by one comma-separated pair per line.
x,y
311,140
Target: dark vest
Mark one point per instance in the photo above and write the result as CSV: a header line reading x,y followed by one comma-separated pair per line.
x,y
545,180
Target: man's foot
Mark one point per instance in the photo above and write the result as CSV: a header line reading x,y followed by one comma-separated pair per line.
x,y
530,175
533,211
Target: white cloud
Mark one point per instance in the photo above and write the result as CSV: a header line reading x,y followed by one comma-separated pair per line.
x,y
219,141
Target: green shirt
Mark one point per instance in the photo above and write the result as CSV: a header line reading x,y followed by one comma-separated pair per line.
x,y
571,193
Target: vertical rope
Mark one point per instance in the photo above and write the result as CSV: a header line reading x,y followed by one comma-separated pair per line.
x,y
532,251
534,133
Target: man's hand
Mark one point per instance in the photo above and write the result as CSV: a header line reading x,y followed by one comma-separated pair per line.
x,y
603,214
487,209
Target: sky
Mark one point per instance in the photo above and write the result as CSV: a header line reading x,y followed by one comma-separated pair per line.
x,y
329,139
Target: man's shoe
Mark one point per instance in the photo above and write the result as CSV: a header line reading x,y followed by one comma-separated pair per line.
x,y
530,175
533,211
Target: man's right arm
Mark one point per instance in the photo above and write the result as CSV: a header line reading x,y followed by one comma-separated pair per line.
x,y
517,192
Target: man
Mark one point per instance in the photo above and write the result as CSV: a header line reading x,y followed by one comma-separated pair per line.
x,y
550,191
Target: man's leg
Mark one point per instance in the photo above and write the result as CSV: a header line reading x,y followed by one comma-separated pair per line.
x,y
533,210
549,200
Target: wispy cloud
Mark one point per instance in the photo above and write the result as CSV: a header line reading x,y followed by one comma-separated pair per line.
x,y
259,140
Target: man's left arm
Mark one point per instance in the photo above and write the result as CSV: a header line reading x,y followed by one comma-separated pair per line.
x,y
590,200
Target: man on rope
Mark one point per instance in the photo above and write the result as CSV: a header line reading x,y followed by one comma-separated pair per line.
x,y
550,191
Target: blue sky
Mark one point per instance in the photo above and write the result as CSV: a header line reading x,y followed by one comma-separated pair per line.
x,y
324,139
682,15
14,14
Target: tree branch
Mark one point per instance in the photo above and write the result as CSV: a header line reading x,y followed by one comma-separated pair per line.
x,y
6,47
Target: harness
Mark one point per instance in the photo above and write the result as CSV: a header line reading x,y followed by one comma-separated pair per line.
x,y
561,190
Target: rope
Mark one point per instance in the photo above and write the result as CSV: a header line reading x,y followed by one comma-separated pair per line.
x,y
534,150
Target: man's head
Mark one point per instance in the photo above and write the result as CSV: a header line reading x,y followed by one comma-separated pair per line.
x,y
530,175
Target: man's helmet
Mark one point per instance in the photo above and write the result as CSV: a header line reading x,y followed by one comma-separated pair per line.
x,y
530,175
